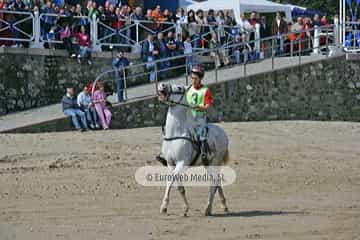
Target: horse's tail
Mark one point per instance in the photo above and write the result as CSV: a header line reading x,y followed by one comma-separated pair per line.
x,y
226,158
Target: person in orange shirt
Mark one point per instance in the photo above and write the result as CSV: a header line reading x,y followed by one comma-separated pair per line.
x,y
156,13
157,16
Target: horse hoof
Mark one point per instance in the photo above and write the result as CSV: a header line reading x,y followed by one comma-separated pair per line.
x,y
226,210
185,215
163,211
207,212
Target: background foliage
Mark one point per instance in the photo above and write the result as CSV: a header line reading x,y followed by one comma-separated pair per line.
x,y
331,7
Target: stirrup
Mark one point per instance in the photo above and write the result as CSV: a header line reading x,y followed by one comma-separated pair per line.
x,y
161,160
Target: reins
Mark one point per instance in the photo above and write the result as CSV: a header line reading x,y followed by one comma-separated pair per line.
x,y
172,103
189,139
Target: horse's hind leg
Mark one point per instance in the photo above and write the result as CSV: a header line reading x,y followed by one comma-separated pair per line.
x,y
211,171
222,199
183,195
212,192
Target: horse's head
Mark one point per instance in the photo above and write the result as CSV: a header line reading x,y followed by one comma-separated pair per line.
x,y
172,94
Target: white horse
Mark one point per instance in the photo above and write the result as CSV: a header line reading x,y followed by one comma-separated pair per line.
x,y
179,147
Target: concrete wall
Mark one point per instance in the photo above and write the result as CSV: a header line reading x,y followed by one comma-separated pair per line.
x,y
324,90
37,77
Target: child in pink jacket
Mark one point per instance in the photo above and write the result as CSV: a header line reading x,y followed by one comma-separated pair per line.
x,y
104,114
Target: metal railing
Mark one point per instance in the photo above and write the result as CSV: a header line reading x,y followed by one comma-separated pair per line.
x,y
16,26
58,22
352,37
133,32
130,33
316,41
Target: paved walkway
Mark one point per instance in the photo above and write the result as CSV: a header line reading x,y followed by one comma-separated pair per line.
x,y
43,114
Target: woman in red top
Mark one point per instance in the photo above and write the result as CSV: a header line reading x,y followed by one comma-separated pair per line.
x,y
84,44
1,7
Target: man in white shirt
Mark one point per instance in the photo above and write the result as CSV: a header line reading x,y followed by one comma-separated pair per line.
x,y
245,24
86,105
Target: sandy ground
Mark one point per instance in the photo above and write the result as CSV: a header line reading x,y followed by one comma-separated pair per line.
x,y
296,180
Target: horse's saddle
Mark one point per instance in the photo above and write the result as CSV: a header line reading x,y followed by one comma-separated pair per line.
x,y
197,146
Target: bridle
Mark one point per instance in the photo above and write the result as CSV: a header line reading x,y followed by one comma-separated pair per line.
x,y
171,103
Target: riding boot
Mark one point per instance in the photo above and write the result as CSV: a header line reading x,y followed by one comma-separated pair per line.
x,y
162,160
203,150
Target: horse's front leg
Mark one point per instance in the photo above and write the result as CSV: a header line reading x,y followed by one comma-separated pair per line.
x,y
178,170
165,201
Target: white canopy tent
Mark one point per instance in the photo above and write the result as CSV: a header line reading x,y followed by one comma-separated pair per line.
x,y
242,6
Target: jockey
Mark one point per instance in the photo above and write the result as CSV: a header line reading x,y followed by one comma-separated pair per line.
x,y
200,98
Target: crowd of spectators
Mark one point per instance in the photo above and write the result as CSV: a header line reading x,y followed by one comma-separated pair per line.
x,y
162,33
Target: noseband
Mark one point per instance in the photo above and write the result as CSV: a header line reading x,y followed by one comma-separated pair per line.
x,y
171,103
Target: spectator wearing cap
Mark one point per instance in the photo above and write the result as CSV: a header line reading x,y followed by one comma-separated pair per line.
x,y
71,108
119,63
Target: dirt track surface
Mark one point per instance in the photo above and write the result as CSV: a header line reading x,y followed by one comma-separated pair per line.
x,y
295,180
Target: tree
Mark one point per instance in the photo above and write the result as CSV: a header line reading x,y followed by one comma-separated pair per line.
x,y
331,7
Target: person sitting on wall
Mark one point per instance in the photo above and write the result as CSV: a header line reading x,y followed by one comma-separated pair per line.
x,y
86,105
99,99
71,108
